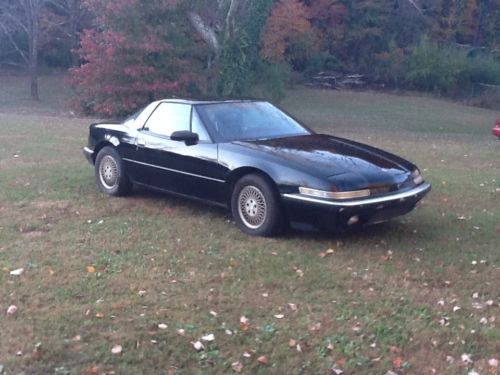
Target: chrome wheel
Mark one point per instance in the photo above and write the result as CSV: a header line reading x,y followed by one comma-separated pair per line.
x,y
108,172
252,207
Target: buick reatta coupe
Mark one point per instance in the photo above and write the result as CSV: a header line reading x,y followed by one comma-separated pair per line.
x,y
257,161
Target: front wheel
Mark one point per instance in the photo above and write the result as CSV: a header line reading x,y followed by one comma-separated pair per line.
x,y
256,207
110,173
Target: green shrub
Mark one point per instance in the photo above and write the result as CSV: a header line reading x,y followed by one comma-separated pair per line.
x,y
271,81
322,61
449,70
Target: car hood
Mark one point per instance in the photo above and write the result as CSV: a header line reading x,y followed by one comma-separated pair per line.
x,y
328,156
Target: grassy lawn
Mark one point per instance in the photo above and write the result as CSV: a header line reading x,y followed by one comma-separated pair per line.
x,y
154,273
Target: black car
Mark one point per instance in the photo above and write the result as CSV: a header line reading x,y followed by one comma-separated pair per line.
x,y
255,159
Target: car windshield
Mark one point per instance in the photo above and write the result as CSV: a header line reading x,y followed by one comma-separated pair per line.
x,y
248,120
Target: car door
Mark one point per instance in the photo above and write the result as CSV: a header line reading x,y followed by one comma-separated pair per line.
x,y
172,165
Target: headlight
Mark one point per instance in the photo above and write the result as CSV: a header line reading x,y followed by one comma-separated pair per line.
x,y
334,194
417,177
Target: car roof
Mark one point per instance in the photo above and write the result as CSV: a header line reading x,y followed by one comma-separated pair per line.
x,y
195,101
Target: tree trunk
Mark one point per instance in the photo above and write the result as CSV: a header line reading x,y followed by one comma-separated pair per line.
x,y
74,18
32,10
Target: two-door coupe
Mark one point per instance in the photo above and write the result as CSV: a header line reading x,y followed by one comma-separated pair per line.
x,y
256,160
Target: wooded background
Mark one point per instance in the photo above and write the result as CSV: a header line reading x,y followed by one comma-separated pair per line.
x,y
122,54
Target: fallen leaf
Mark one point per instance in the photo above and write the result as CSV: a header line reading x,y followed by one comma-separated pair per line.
x,y
210,337
300,272
162,326
292,343
466,359
90,269
279,316
37,352
262,360
315,327
293,306
213,313
11,310
326,253
94,370
141,293
17,272
237,366
181,332
397,362
116,349
198,345
244,323
493,362
247,355
228,332
99,315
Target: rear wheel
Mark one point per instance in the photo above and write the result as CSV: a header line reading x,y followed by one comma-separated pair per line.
x,y
256,207
110,173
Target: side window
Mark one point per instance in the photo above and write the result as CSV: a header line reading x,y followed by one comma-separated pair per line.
x,y
168,118
199,128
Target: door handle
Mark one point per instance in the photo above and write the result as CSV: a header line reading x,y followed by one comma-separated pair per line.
x,y
141,142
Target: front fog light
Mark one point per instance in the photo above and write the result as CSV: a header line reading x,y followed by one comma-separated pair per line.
x,y
417,177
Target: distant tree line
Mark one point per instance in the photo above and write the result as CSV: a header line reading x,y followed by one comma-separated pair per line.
x,y
124,53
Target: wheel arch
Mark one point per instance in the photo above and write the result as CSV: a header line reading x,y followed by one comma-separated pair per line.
x,y
99,146
243,171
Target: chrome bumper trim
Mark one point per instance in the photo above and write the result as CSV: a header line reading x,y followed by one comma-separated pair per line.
x,y
174,170
421,189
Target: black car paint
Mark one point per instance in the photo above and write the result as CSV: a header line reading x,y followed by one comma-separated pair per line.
x,y
207,171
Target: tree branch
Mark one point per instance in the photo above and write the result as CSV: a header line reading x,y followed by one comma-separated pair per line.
x,y
231,15
13,43
204,31
414,4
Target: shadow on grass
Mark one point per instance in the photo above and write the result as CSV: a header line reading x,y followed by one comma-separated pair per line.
x,y
372,233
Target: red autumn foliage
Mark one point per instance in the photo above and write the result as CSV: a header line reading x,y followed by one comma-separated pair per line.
x,y
289,19
123,69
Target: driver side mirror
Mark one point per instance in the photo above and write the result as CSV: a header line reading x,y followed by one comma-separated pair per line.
x,y
189,138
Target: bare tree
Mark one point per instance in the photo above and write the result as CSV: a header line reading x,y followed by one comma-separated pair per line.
x,y
25,24
212,34
23,17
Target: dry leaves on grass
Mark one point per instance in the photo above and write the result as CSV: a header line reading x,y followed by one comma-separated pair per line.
x,y
315,327
244,323
263,360
210,337
326,253
237,366
198,346
17,272
11,310
116,349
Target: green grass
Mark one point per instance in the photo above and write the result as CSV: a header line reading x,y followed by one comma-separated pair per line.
x,y
376,298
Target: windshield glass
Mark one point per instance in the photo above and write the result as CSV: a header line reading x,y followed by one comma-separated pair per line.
x,y
248,120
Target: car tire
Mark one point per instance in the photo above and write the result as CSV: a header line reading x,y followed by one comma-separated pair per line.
x,y
110,173
256,206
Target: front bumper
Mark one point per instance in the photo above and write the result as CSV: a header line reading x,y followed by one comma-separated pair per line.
x,y
339,215
89,155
